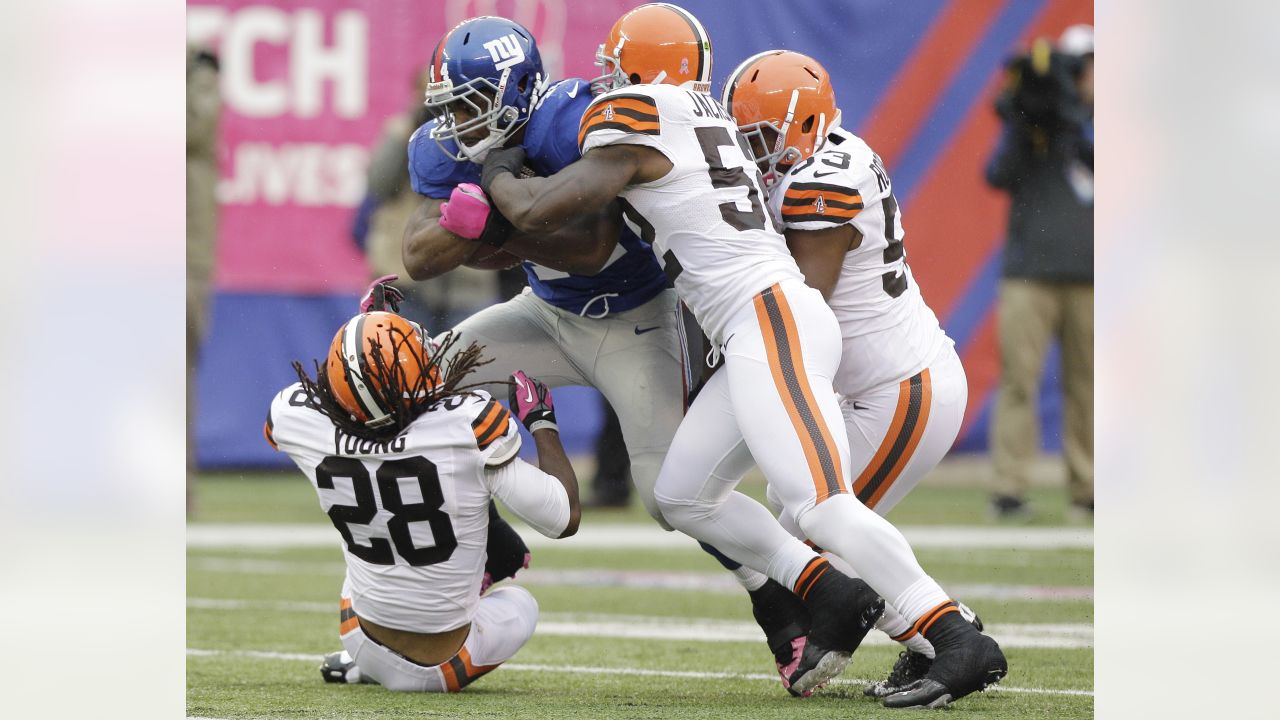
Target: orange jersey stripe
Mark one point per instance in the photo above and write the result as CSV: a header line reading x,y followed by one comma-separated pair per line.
x,y
915,396
782,345
618,122
634,107
850,198
266,433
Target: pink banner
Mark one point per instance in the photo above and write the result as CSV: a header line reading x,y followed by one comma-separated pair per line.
x,y
306,88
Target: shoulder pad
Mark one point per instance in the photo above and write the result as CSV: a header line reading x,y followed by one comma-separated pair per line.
x,y
431,172
820,192
551,134
631,110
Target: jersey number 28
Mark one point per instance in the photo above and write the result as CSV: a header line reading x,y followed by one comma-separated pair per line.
x,y
388,475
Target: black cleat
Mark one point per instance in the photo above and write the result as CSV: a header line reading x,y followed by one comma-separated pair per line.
x,y
966,662
912,666
783,618
843,610
338,667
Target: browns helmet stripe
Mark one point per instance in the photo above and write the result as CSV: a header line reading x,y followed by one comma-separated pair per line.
x,y
357,374
704,45
726,96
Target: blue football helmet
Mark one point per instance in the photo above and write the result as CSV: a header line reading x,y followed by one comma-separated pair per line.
x,y
487,68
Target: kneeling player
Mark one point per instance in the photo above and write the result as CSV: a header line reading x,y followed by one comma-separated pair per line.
x,y
405,459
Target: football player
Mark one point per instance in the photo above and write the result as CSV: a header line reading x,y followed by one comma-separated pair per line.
x,y
902,387
597,311
681,170
405,459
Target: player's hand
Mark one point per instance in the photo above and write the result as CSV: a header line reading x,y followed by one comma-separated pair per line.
x,y
531,401
465,212
380,294
502,160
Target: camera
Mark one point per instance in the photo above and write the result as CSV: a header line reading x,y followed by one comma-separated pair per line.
x,y
1040,90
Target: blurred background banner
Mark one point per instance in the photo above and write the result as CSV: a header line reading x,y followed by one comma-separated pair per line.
x,y
308,85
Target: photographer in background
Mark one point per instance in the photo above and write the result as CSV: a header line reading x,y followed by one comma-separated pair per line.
x,y
1045,162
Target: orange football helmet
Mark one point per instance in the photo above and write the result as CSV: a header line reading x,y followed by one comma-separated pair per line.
x,y
379,363
789,94
655,43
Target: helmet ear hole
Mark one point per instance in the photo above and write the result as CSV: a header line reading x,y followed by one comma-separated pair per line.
x,y
634,78
524,83
807,125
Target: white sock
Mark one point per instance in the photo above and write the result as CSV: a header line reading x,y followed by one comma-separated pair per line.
x,y
891,623
876,550
750,579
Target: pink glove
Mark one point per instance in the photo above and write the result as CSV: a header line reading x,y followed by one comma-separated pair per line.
x,y
466,211
531,401
376,298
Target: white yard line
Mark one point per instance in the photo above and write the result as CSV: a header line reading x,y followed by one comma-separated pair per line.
x,y
648,627
719,582
581,670
647,537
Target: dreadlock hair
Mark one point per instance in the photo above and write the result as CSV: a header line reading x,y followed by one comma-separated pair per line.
x,y
390,384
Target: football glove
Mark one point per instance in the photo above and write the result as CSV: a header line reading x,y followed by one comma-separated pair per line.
x,y
381,295
469,214
531,401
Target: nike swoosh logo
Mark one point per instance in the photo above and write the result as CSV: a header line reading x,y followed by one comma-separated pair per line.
x,y
819,174
573,93
645,330
528,390
856,406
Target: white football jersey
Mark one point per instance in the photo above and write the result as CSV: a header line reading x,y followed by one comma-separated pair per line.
x,y
413,512
706,218
889,332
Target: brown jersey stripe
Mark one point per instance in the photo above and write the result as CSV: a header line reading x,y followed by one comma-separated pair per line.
x,y
915,396
786,362
347,620
815,217
644,101
493,431
846,213
631,110
491,424
796,196
465,670
618,123
841,201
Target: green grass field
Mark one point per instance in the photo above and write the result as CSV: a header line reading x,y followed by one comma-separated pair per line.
x,y
259,619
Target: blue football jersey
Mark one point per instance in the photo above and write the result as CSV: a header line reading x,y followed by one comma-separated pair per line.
x,y
631,276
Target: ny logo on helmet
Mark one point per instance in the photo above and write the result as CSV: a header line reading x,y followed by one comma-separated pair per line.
x,y
505,51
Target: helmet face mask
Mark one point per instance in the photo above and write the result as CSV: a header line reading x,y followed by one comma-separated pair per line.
x,y
485,79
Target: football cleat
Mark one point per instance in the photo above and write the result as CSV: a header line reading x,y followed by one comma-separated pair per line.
x,y
338,667
966,662
843,609
783,618
911,665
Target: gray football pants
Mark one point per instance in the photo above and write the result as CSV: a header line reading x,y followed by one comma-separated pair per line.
x,y
636,359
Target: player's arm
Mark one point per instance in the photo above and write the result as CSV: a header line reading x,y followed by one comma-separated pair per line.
x,y
545,498
820,254
544,205
429,250
581,247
